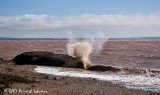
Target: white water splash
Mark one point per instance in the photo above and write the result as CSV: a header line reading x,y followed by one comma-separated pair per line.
x,y
133,81
98,43
80,50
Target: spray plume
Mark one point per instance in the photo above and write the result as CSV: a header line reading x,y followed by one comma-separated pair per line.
x,y
82,49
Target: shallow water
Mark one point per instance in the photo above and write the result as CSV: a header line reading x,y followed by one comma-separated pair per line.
x,y
145,81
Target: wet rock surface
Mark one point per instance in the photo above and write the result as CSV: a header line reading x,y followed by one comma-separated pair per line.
x,y
103,68
47,59
44,58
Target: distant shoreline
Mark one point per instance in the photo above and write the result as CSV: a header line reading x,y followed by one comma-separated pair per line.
x,y
67,39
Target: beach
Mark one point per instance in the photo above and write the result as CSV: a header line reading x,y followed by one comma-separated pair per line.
x,y
127,55
58,85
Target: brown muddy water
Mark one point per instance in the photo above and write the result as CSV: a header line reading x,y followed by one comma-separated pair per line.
x,y
139,61
134,54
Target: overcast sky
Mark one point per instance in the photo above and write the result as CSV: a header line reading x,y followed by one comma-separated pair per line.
x,y
79,18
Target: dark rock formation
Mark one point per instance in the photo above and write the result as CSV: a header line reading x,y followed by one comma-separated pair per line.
x,y
47,59
43,58
103,68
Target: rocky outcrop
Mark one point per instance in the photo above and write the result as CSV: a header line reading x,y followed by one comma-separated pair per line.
x,y
44,58
47,59
103,68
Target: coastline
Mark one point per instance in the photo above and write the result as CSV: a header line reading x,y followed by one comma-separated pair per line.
x,y
58,85
22,79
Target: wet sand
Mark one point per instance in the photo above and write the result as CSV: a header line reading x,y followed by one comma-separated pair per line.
x,y
23,80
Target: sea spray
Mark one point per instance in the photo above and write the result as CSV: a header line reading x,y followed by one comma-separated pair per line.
x,y
98,44
83,49
99,41
80,50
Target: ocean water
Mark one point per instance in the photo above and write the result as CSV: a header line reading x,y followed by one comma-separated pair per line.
x,y
139,65
138,61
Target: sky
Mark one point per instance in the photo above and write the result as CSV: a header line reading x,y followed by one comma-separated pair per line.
x,y
79,18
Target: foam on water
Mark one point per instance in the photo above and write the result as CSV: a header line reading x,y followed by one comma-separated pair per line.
x,y
134,81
